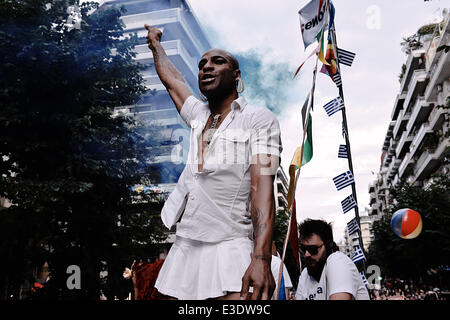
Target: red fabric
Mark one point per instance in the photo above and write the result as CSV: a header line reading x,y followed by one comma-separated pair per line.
x,y
320,7
36,286
145,278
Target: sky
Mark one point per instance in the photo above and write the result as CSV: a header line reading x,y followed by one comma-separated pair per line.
x,y
268,32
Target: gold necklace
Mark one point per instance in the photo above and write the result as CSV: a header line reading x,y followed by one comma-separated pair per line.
x,y
210,132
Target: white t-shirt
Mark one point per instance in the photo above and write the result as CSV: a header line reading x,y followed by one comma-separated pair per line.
x,y
339,275
275,266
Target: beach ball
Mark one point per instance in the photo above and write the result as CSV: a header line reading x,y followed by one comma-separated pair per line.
x,y
406,223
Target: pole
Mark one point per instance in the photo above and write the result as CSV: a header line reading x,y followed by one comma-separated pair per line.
x,y
305,126
347,141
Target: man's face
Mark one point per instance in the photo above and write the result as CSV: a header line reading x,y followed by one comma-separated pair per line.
x,y
314,260
216,74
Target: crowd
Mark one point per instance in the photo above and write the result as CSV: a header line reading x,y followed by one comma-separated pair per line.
x,y
401,290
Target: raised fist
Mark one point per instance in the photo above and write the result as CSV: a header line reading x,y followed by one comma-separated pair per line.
x,y
153,36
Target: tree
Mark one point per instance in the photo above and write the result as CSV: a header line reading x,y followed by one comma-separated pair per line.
x,y
67,163
410,259
279,235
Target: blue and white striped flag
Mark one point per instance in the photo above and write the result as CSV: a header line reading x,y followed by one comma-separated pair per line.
x,y
348,203
346,57
334,106
337,79
352,226
342,151
343,180
358,254
366,283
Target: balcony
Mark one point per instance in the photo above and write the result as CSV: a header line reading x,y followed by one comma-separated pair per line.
x,y
415,61
388,135
373,212
440,65
371,187
437,118
401,123
282,188
176,50
403,144
152,82
430,160
398,105
176,24
282,202
373,199
424,167
393,168
419,113
423,131
416,87
282,176
407,164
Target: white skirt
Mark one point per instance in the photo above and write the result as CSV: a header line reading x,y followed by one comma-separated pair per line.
x,y
196,270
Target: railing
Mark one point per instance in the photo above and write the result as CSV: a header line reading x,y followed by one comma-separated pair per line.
x,y
404,164
419,75
407,78
403,139
418,138
435,115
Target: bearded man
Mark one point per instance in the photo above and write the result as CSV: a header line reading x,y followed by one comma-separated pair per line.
x,y
328,274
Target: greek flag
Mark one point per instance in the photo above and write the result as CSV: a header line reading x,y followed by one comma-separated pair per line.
x,y
348,203
342,151
334,106
337,79
358,254
352,226
346,57
343,180
366,283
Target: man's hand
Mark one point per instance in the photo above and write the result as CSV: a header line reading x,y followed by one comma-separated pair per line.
x,y
153,37
259,273
259,276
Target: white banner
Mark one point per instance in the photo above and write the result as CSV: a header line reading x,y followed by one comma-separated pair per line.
x,y
311,21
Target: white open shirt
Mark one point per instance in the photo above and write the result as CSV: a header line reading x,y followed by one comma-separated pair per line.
x,y
216,200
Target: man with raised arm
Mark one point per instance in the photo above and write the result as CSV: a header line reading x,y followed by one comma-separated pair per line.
x,y
223,202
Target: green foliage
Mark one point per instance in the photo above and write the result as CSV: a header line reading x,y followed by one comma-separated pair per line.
x,y
427,29
412,258
66,163
279,235
402,73
415,41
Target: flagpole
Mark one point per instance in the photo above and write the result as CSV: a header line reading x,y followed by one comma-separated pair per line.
x,y
296,180
305,126
347,141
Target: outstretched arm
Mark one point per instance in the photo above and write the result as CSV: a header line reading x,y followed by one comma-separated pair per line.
x,y
259,274
170,77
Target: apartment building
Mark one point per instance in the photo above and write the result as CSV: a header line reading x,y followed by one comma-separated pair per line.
x,y
417,143
184,42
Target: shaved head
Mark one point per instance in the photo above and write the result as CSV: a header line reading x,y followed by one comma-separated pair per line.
x,y
226,54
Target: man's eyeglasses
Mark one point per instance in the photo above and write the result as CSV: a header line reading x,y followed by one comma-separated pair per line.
x,y
313,250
